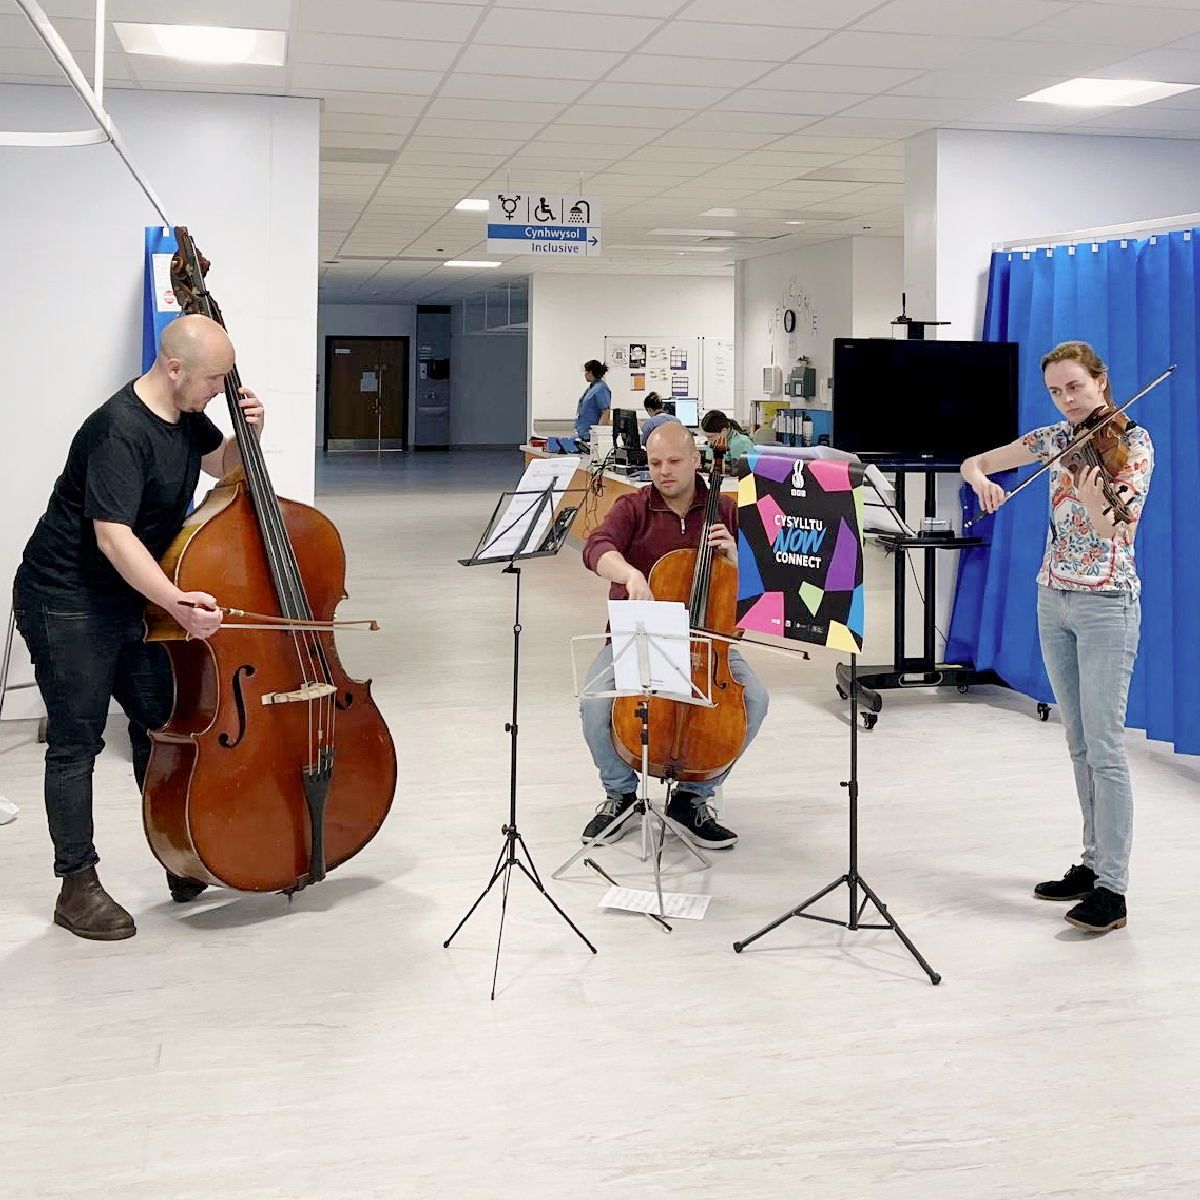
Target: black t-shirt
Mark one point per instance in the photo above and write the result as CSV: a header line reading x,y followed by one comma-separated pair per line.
x,y
126,465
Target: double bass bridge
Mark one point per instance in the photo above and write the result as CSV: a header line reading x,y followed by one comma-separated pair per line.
x,y
301,695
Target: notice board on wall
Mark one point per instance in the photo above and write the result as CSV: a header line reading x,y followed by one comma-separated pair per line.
x,y
638,365
716,374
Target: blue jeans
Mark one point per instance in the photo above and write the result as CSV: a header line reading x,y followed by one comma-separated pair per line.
x,y
81,660
1089,643
617,776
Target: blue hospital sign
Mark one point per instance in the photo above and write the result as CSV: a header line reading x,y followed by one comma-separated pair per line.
x,y
533,223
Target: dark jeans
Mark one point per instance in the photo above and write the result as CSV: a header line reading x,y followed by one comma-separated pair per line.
x,y
82,659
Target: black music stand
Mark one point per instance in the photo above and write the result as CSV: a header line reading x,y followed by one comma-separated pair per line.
x,y
825,505
524,522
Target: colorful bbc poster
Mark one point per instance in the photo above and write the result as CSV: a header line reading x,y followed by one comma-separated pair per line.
x,y
800,559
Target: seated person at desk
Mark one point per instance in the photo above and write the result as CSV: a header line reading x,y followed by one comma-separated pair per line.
x,y
640,528
595,405
656,415
725,434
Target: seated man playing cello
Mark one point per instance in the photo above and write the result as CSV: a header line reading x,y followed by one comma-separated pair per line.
x,y
637,532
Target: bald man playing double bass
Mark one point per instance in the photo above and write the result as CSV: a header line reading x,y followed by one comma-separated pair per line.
x,y
85,577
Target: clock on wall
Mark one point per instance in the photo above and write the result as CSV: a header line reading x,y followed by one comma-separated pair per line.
x,y
789,320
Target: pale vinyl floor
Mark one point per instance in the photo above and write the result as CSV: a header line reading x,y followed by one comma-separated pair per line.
x,y
247,1049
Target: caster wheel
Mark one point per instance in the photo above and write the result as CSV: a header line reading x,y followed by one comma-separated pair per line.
x,y
869,719
1043,711
963,689
841,691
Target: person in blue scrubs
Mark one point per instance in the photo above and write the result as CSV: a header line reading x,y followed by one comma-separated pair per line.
x,y
595,405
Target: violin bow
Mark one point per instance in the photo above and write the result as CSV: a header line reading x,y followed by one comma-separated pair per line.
x,y
1074,444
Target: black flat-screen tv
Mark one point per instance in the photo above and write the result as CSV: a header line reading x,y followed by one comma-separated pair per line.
x,y
923,404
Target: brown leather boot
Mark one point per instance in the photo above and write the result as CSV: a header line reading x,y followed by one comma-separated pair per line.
x,y
88,911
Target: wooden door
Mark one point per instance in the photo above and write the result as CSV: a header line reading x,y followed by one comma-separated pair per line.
x,y
366,393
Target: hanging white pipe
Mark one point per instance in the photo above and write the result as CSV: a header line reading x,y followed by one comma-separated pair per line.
x,y
107,131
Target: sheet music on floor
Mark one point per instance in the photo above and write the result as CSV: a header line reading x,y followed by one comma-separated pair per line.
x,y
509,534
687,906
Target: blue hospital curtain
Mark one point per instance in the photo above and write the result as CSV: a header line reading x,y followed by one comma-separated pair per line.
x,y
1136,302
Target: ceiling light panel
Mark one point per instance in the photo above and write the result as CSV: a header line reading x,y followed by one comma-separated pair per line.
x,y
1106,93
205,43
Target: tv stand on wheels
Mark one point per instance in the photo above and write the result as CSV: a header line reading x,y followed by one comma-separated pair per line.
x,y
924,670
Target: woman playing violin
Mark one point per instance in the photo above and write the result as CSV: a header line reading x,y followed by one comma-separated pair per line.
x,y
1088,612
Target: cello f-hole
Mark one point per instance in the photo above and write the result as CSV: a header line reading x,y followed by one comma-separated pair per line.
x,y
247,670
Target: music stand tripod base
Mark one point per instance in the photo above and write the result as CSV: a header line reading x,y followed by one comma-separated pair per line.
x,y
852,879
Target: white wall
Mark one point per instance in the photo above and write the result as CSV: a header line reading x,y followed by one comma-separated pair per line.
x,y
365,320
847,288
971,189
242,173
489,381
570,315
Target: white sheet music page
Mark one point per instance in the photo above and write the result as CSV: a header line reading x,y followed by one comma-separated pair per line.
x,y
511,529
662,661
688,906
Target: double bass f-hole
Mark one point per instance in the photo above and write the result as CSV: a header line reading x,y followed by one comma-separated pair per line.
x,y
247,670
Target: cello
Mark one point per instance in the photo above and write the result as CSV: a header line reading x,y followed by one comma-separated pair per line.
x,y
690,742
275,766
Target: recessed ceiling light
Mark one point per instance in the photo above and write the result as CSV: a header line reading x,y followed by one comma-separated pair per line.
x,y
469,262
692,233
205,43
720,212
471,206
1105,93
793,222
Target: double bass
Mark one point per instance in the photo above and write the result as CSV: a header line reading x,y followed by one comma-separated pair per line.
x,y
275,766
692,743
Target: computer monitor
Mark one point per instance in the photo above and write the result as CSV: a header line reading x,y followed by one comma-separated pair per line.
x,y
686,408
627,442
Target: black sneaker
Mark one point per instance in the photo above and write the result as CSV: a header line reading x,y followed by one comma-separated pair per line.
x,y
1100,911
1074,885
606,814
695,815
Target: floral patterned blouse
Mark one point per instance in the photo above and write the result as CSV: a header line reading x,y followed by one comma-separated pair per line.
x,y
1077,559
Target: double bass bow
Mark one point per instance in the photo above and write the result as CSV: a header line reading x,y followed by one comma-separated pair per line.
x,y
275,765
691,742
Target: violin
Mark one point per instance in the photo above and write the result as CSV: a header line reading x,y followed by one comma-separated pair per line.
x,y
692,742
1098,441
1106,450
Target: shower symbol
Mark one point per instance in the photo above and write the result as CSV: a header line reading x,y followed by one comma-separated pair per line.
x,y
577,216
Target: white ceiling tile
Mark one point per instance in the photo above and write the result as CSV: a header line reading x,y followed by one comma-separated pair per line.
x,y
363,79
365,102
353,122
476,145
711,72
511,88
765,43
955,17
389,18
1036,58
1168,65
682,154
528,27
817,77
800,103
975,85
1149,116
810,14
799,160
607,114
917,108
715,137
829,143
869,127
492,110
654,95
391,53
1045,116
564,63
746,122
1125,25
890,50
359,139
439,127
247,14
602,136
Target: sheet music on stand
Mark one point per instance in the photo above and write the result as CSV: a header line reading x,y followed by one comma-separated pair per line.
x,y
661,659
522,528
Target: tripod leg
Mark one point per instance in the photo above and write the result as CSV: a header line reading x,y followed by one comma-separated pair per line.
x,y
601,839
507,868
794,912
500,862
934,977
553,904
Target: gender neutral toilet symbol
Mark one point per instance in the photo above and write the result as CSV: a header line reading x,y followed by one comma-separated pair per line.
x,y
509,204
543,212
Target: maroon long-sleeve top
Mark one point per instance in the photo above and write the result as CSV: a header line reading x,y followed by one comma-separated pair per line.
x,y
642,528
